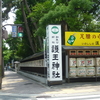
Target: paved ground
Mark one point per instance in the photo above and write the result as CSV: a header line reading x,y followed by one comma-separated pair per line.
x,y
17,84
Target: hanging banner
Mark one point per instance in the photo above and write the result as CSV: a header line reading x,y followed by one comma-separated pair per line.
x,y
54,53
82,39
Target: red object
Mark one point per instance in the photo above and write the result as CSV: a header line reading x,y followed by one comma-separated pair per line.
x,y
80,54
87,53
20,29
95,53
72,53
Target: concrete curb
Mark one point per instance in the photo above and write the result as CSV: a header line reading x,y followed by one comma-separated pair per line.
x,y
34,77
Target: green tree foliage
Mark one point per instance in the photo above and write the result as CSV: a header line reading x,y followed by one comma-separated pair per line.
x,y
38,12
6,52
78,15
31,24
13,44
74,15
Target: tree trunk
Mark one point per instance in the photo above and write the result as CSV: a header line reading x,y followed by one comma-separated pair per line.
x,y
64,28
27,28
39,38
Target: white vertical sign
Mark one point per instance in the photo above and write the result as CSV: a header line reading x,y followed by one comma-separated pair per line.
x,y
44,45
54,53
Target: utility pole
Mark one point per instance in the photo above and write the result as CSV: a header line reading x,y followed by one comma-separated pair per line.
x,y
0,44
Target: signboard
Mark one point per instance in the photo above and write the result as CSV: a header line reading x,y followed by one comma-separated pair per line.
x,y
82,39
54,53
14,31
44,45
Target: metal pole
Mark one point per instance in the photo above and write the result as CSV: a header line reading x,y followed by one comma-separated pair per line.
x,y
0,44
12,25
